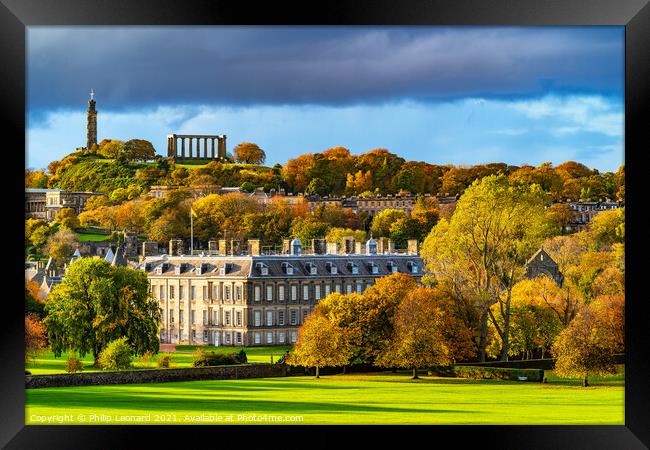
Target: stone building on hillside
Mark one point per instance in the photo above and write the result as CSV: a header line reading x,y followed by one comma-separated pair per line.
x,y
541,263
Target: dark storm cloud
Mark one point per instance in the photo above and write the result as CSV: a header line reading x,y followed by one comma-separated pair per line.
x,y
133,67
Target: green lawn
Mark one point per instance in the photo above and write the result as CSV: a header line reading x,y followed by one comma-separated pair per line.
x,y
47,363
88,237
382,398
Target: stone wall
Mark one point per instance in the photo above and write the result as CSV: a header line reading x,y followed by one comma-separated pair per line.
x,y
157,375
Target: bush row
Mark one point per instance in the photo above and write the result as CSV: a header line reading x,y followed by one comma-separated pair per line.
x,y
207,359
489,373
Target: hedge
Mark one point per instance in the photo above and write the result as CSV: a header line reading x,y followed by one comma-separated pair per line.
x,y
489,373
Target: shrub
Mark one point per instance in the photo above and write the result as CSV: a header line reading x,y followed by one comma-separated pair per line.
x,y
73,364
145,358
207,359
165,361
488,373
116,355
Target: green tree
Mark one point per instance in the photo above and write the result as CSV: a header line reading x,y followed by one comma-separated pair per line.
x,y
382,222
97,303
111,148
116,355
321,343
308,228
316,187
482,249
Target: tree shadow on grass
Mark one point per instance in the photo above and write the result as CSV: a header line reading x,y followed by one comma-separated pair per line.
x,y
201,404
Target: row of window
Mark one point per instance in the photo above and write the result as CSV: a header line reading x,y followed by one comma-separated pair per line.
x,y
227,319
212,289
228,337
315,292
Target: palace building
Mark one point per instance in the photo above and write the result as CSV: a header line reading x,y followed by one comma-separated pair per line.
x,y
258,299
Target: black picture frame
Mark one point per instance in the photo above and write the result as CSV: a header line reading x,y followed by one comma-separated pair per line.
x,y
16,15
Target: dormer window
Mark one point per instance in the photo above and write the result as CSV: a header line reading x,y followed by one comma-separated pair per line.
x,y
263,268
331,268
226,269
374,268
200,269
353,267
413,267
179,269
392,267
311,268
161,268
288,268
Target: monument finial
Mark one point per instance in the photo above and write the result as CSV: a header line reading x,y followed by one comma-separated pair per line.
x,y
92,93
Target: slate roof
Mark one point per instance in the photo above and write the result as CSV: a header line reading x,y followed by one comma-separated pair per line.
x,y
249,266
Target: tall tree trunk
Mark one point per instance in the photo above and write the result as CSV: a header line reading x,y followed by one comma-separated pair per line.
x,y
483,338
506,320
585,383
96,357
415,374
317,374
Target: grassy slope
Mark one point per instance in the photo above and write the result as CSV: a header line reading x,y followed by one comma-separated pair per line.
x,y
358,398
49,364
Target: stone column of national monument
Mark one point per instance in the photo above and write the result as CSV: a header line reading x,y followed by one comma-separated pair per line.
x,y
204,152
91,122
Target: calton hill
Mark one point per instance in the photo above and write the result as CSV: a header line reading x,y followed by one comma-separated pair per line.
x,y
481,339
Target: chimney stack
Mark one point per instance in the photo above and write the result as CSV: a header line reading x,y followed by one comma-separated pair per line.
x,y
348,245
332,248
212,246
412,246
391,246
286,244
149,248
176,247
254,247
223,248
358,248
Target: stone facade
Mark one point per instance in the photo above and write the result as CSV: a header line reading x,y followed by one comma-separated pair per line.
x,y
375,204
45,204
542,264
250,300
584,212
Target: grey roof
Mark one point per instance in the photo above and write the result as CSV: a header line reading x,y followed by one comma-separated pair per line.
x,y
118,259
250,266
40,191
542,251
109,255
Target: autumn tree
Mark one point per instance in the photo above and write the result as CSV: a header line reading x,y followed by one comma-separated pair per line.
x,y
66,218
97,303
35,179
139,150
321,343
418,339
249,153
482,249
587,346
61,245
338,234
35,338
559,216
34,303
